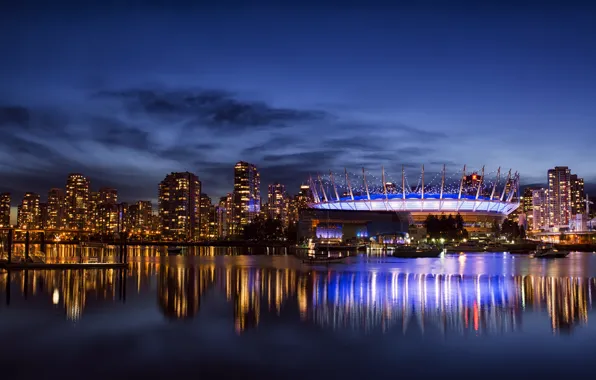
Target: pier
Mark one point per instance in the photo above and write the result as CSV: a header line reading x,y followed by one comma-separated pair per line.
x,y
39,260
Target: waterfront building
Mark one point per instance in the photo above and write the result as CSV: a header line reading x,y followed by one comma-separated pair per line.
x,y
559,197
482,200
56,209
107,195
300,202
106,218
527,206
144,219
5,210
43,215
221,217
205,217
278,203
578,196
29,212
540,215
391,188
179,206
246,196
77,201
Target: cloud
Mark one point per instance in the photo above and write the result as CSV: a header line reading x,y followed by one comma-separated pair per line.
x,y
209,108
131,138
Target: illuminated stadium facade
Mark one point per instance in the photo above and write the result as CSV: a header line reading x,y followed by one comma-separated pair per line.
x,y
480,197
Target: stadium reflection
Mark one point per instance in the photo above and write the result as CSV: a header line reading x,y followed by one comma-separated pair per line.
x,y
364,301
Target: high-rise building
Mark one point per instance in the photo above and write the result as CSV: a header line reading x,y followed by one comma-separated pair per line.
x,y
247,195
5,210
43,215
223,217
104,211
300,202
578,196
107,195
179,206
559,196
527,207
106,218
391,188
77,201
278,203
141,216
206,211
56,209
29,213
540,214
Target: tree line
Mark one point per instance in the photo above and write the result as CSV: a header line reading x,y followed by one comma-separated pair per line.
x,y
445,227
263,228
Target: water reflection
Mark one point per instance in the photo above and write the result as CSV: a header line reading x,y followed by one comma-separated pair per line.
x,y
362,301
68,289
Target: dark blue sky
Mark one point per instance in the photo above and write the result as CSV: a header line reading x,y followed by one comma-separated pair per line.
x,y
128,94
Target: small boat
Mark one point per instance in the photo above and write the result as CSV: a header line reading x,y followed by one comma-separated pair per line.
x,y
172,251
495,247
420,251
323,260
549,252
466,247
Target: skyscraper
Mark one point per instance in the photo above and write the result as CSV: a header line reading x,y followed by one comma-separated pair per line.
x,y
247,195
527,207
5,210
29,213
578,196
278,202
77,201
179,206
539,209
56,209
559,196
205,216
300,202
104,210
221,218
107,195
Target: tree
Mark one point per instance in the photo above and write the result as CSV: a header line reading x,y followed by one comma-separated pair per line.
x,y
264,229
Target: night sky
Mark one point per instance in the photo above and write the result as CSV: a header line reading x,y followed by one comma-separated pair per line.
x,y
127,94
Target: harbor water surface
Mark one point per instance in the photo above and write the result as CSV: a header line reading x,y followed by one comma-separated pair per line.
x,y
214,314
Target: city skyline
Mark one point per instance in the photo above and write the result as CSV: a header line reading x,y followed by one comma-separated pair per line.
x,y
328,89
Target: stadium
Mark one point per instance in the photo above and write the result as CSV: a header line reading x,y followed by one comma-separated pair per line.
x,y
479,196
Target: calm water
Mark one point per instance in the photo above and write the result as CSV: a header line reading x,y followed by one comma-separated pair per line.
x,y
212,316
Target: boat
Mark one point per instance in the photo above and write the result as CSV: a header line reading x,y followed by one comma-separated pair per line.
x,y
416,252
496,247
323,259
470,246
549,252
174,251
334,247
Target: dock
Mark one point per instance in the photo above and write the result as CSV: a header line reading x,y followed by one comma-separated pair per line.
x,y
23,265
